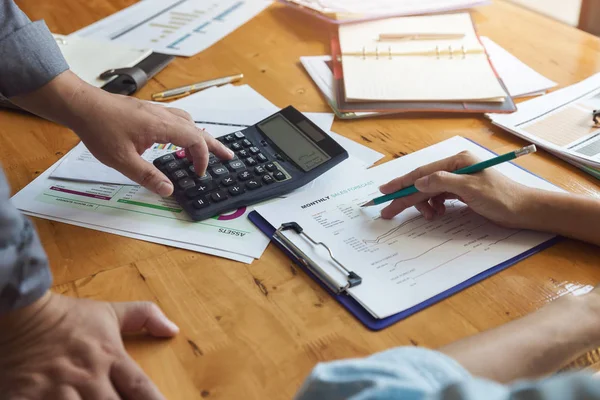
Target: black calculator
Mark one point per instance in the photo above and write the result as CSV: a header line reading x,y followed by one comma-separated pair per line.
x,y
273,157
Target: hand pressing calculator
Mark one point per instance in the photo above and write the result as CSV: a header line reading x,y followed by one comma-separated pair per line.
x,y
277,155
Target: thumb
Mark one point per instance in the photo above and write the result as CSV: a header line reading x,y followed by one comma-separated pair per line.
x,y
138,315
442,182
147,175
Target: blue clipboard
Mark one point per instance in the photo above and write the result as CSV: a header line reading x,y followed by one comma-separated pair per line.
x,y
363,315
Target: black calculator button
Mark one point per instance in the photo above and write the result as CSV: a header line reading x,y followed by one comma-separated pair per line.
x,y
236,147
219,170
213,160
229,139
186,183
204,178
258,170
172,166
200,203
246,143
250,161
261,158
254,150
243,153
236,190
268,179
244,176
264,143
271,167
166,158
239,135
192,169
179,174
227,181
279,157
253,184
218,196
200,189
236,165
280,176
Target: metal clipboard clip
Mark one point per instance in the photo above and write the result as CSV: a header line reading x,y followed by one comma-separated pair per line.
x,y
595,116
352,277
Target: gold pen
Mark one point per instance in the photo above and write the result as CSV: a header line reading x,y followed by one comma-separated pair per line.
x,y
420,36
183,91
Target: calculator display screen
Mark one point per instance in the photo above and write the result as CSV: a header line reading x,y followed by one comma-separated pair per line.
x,y
293,142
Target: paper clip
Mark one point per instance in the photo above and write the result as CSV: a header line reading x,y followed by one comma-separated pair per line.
x,y
464,52
364,53
451,52
377,52
390,51
437,52
353,279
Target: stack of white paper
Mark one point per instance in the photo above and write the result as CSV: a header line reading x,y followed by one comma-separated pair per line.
x,y
89,58
129,210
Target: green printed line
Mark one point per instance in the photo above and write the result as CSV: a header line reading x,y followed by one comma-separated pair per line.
x,y
117,208
141,212
137,203
154,215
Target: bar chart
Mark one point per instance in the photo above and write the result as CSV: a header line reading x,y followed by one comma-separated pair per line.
x,y
178,27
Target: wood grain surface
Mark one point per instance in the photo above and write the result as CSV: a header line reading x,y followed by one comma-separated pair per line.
x,y
250,332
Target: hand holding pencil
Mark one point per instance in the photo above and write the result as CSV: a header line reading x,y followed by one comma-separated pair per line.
x,y
488,192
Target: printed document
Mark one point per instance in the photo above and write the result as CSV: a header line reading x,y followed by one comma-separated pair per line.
x,y
177,27
133,210
405,261
561,122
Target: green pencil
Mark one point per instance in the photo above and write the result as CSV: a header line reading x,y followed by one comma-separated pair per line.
x,y
407,191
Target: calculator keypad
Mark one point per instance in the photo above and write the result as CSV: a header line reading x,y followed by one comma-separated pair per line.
x,y
249,170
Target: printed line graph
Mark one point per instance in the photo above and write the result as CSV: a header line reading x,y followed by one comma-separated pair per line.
x,y
442,264
451,206
390,234
423,253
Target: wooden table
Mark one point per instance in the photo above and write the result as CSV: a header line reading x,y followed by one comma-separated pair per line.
x,y
256,331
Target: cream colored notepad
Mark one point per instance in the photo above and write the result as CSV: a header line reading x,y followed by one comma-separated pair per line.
x,y
417,70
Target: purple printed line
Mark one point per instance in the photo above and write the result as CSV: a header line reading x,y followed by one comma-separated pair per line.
x,y
94,196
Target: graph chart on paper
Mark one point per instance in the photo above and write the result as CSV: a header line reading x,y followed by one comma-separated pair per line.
x,y
178,27
410,248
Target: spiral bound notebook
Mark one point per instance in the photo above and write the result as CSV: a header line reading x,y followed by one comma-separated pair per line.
x,y
394,107
425,58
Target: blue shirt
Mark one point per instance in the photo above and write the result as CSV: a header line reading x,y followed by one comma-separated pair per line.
x,y
29,58
412,373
